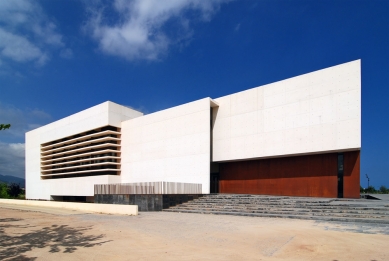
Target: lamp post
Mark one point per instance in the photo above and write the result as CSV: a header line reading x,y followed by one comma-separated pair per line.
x,y
368,180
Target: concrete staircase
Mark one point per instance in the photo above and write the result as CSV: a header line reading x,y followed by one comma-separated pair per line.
x,y
343,210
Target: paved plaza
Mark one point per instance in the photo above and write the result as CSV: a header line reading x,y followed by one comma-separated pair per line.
x,y
32,233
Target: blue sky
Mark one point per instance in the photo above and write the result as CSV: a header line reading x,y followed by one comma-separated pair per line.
x,y
60,57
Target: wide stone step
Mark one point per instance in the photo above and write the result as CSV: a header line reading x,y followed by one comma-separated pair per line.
x,y
286,205
294,216
350,210
275,200
263,202
297,212
240,205
254,199
259,208
265,198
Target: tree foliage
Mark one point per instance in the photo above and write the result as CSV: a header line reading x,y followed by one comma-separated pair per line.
x,y
4,126
370,189
12,190
3,190
384,190
373,190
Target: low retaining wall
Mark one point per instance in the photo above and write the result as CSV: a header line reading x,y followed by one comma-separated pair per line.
x,y
99,208
147,202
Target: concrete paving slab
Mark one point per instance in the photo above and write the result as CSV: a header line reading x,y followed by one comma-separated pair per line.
x,y
36,235
48,210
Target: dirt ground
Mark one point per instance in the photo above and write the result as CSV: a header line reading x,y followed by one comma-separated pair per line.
x,y
30,233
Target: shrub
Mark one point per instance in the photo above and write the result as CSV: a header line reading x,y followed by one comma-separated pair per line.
x,y
14,190
21,196
3,190
384,190
370,189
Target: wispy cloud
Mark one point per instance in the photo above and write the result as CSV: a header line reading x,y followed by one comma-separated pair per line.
x,y
20,49
144,29
12,140
12,159
26,33
66,53
237,27
21,120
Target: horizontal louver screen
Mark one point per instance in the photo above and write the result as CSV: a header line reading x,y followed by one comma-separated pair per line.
x,y
94,152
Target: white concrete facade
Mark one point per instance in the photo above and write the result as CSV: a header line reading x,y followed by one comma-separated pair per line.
x,y
172,145
311,113
316,112
107,113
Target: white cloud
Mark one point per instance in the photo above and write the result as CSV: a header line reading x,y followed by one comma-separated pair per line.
x,y
26,33
16,149
21,120
139,31
12,159
12,145
66,53
237,27
18,48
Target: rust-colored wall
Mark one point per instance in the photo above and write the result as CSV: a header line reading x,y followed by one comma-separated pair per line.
x,y
351,178
312,176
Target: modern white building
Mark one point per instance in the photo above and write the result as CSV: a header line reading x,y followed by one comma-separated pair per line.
x,y
300,136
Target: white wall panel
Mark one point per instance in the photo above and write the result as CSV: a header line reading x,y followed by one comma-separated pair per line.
x,y
314,112
81,186
170,145
244,102
244,124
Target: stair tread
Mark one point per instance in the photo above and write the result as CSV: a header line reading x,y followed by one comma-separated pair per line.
x,y
326,218
286,207
288,210
292,206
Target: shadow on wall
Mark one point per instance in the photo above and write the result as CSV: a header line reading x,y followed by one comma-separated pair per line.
x,y
62,238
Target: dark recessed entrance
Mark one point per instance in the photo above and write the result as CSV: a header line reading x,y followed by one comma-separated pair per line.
x,y
340,175
214,183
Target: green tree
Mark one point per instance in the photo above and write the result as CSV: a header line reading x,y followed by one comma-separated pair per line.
x,y
4,126
370,189
384,190
361,190
14,190
3,190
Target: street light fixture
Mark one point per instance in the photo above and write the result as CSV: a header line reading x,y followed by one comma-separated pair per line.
x,y
368,180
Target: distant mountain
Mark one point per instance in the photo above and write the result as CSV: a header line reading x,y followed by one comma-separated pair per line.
x,y
10,179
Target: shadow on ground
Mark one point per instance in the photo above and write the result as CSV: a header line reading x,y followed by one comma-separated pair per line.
x,y
353,227
22,239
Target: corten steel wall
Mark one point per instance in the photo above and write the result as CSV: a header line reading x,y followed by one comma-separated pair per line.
x,y
351,177
311,176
